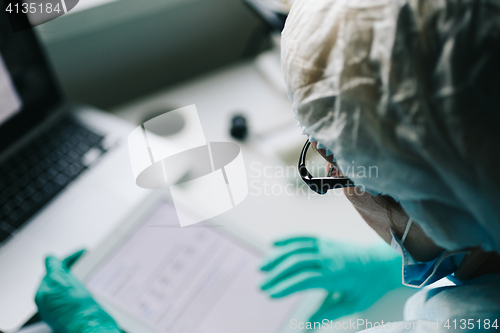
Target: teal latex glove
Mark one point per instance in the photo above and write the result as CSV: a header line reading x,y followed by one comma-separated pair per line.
x,y
354,276
64,303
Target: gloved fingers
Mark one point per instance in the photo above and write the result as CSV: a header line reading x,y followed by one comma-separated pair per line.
x,y
292,250
286,241
292,266
70,260
53,264
299,282
57,275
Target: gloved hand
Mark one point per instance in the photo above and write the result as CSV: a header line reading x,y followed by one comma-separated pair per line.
x,y
64,303
354,276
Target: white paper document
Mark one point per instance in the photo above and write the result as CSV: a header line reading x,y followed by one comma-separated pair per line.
x,y
187,280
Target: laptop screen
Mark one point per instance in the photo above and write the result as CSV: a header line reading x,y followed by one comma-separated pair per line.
x,y
28,91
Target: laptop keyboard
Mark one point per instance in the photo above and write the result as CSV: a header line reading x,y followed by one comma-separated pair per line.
x,y
43,168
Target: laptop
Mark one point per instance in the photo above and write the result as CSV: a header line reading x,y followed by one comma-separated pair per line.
x,y
153,276
65,177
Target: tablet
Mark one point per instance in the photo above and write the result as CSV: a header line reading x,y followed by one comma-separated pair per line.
x,y
153,276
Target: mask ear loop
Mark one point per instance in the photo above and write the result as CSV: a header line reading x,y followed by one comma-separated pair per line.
x,y
332,168
408,226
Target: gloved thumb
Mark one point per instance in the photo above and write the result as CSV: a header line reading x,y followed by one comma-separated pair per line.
x,y
334,307
70,260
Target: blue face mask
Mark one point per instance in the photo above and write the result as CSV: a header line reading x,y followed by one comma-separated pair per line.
x,y
419,274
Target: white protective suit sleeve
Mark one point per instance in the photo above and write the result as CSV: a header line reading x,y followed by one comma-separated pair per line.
x,y
406,94
472,307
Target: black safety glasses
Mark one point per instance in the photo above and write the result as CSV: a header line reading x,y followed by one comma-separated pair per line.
x,y
319,185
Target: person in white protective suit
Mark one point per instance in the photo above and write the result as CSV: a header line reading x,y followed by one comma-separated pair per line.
x,y
411,87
